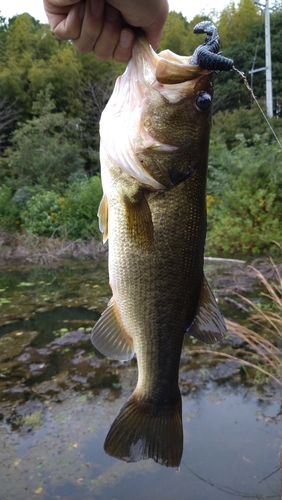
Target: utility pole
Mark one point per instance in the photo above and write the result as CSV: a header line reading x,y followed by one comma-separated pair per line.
x,y
267,67
268,70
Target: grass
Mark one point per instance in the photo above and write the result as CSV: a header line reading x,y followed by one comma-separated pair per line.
x,y
261,340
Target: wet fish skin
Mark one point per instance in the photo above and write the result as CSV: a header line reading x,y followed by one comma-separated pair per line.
x,y
154,214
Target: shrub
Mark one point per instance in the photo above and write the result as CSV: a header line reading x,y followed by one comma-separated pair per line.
x,y
72,215
42,213
246,215
9,212
79,209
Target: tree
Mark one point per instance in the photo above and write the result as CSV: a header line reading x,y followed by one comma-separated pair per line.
x,y
178,35
230,93
175,34
3,33
45,150
236,23
94,99
62,72
32,59
7,118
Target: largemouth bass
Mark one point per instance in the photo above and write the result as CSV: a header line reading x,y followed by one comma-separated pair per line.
x,y
154,150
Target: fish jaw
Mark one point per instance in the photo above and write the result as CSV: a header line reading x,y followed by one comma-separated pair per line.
x,y
145,121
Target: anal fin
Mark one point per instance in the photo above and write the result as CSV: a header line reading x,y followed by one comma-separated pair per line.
x,y
208,324
109,337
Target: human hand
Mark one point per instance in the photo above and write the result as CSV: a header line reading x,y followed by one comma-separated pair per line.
x,y
106,27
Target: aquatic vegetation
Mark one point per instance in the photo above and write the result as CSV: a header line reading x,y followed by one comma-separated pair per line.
x,y
34,419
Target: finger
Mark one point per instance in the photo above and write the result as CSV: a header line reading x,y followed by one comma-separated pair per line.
x,y
153,36
55,6
124,47
154,30
91,26
67,24
149,15
59,7
109,37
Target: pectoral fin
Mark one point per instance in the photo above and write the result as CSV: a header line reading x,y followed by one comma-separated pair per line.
x,y
139,220
109,337
103,217
208,324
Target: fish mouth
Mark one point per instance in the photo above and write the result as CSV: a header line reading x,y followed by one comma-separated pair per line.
x,y
169,68
152,117
172,75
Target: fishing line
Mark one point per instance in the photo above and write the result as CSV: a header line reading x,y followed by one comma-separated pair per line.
x,y
256,101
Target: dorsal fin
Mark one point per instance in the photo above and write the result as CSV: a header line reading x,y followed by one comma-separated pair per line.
x,y
109,337
208,324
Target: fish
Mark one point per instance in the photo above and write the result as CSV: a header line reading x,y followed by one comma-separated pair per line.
x,y
154,140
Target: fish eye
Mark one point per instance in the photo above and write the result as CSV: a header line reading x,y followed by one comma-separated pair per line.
x,y
203,101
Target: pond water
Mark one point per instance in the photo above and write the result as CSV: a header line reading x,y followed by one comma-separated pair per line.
x,y
58,398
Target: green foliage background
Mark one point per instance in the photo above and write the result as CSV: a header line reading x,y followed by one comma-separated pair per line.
x,y
246,187
51,98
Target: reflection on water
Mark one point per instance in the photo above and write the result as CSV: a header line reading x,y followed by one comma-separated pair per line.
x,y
47,323
231,447
59,398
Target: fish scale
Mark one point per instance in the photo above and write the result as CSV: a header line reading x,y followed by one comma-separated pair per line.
x,y
153,213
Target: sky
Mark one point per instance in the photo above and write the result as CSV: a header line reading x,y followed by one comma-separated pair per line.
x,y
189,8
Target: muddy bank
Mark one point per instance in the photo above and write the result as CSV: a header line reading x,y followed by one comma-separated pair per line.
x,y
34,249
227,275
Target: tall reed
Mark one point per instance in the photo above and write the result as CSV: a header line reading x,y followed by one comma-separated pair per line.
x,y
261,341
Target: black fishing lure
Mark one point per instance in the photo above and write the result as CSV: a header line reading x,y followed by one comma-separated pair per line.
x,y
206,55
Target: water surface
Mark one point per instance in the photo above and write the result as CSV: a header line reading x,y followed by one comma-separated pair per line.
x,y
59,398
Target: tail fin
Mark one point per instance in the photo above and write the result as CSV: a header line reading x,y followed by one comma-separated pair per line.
x,y
143,430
